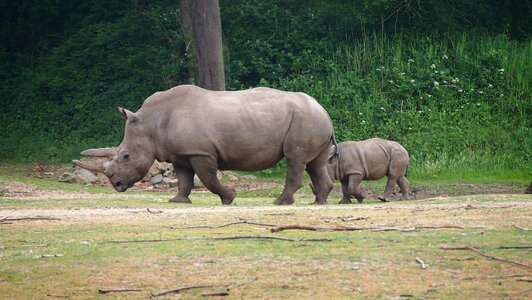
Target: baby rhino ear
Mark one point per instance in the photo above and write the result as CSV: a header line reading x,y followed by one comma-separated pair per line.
x,y
128,115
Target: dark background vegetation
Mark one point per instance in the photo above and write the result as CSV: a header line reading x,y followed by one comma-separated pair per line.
x,y
450,80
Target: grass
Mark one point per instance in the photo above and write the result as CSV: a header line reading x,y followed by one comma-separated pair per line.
x,y
353,265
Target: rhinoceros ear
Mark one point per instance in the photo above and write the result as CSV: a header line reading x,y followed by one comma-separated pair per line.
x,y
100,152
128,115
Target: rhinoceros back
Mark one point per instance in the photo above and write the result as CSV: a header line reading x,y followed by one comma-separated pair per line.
x,y
244,130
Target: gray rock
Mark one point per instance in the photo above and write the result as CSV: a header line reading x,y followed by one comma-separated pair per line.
x,y
146,178
87,176
156,179
67,177
197,182
172,182
168,173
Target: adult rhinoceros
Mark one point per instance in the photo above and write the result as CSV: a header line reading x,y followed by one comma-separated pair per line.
x,y
200,131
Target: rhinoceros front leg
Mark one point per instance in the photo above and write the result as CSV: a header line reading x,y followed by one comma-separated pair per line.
x,y
346,198
354,187
294,181
206,168
185,182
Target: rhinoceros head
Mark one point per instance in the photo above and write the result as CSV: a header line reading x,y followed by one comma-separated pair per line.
x,y
130,161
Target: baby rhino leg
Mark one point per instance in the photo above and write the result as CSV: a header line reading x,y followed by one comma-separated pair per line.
x,y
346,198
354,187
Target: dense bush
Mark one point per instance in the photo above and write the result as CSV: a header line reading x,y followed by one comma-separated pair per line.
x,y
449,80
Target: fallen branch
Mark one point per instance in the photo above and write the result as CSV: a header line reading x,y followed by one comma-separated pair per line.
x,y
515,247
154,211
10,220
50,255
219,239
525,280
125,290
210,294
461,247
179,289
225,225
349,228
423,265
522,228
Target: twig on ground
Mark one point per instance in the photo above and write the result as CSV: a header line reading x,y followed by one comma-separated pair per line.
x,y
348,228
215,294
154,211
179,289
347,219
50,255
462,247
522,228
219,239
423,265
232,287
525,280
124,290
224,225
10,220
514,247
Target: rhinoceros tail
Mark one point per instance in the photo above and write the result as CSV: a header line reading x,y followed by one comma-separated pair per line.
x,y
336,149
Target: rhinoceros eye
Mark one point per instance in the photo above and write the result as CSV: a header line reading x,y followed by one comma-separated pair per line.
x,y
125,156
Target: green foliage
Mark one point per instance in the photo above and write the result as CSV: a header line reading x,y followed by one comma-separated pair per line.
x,y
445,79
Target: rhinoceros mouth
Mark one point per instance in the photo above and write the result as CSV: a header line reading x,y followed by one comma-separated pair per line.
x,y
120,186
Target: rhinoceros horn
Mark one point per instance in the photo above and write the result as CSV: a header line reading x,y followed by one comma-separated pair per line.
x,y
100,152
90,165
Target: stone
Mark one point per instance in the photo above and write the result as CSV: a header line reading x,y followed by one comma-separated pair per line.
x,y
67,177
86,176
156,179
172,182
197,182
168,173
146,177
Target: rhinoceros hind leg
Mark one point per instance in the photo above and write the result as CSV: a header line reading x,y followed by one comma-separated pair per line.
x,y
206,169
294,181
405,187
392,180
317,170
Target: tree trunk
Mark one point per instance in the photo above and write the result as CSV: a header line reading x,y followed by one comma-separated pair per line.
x,y
202,29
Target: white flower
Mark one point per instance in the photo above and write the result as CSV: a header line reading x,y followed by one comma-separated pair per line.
x,y
382,108
445,81
409,128
460,90
501,95
433,66
455,80
402,74
359,113
501,70
412,81
436,83
445,56
480,92
410,60
429,95
436,72
391,81
363,121
490,85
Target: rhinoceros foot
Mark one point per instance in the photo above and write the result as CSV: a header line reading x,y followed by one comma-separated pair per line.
x,y
228,199
180,199
316,202
283,201
345,201
383,199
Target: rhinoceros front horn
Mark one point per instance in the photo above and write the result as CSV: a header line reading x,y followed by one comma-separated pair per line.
x,y
100,152
96,166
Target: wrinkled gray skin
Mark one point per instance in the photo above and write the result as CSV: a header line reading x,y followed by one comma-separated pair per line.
x,y
201,131
370,160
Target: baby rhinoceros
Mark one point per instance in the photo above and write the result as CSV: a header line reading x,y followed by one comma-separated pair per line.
x,y
370,160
